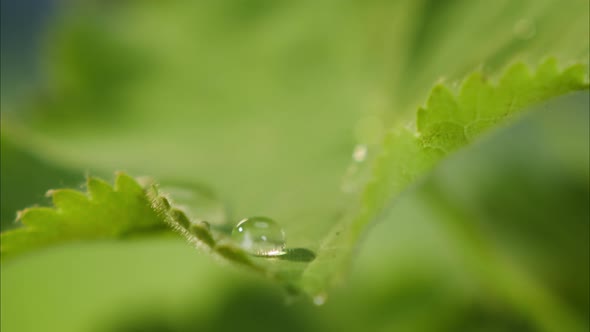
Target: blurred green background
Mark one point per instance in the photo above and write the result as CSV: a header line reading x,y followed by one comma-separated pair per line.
x,y
264,101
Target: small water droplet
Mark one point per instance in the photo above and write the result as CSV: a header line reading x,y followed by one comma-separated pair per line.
x,y
358,171
260,236
524,29
319,299
359,153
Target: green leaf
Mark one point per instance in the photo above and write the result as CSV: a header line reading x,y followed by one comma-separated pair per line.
x,y
501,223
129,209
104,212
216,240
25,177
405,267
442,126
260,99
448,121
265,103
197,233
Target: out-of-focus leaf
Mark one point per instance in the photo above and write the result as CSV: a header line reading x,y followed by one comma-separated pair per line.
x,y
120,277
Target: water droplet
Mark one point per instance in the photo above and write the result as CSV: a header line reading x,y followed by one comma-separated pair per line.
x,y
319,299
358,172
260,236
359,153
198,203
524,29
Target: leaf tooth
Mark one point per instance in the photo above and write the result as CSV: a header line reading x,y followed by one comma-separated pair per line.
x,y
181,218
440,95
548,69
203,234
515,90
124,182
164,203
68,199
575,76
98,189
444,102
151,193
515,75
161,206
474,81
474,89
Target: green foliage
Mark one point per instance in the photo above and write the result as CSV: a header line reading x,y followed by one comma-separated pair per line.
x,y
264,101
197,233
447,123
455,233
104,212
25,177
450,121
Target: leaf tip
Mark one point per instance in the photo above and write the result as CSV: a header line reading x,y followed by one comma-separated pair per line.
x,y
124,182
518,71
97,187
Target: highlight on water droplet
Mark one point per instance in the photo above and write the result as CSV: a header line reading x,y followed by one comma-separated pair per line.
x,y
260,236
